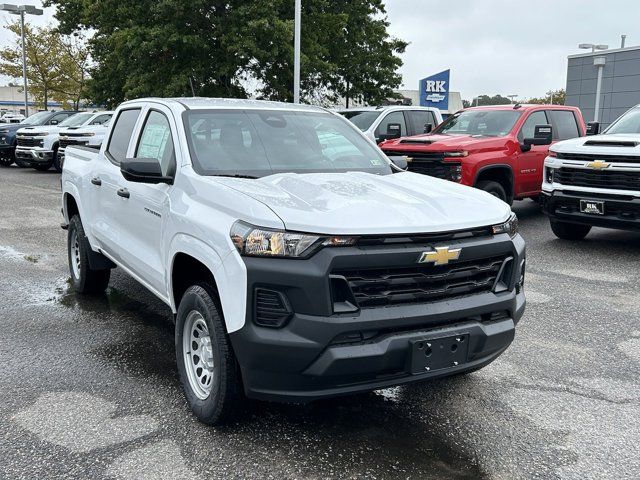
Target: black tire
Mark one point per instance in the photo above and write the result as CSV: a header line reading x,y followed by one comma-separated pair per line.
x,y
85,280
6,161
43,167
494,188
226,394
569,231
57,164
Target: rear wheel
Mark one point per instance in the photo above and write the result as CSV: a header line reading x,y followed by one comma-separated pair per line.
x,y
207,366
84,278
43,167
569,231
494,188
57,161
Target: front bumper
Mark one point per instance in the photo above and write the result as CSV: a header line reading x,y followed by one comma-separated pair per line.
x,y
620,211
33,156
320,354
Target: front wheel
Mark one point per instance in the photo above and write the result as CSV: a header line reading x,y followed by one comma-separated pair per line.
x,y
494,188
84,278
569,231
43,167
57,161
6,161
207,366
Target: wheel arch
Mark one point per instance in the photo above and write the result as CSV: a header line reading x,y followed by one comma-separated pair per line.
x,y
501,173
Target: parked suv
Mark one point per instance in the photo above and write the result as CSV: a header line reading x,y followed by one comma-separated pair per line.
x,y
595,181
8,140
299,261
385,123
38,146
498,149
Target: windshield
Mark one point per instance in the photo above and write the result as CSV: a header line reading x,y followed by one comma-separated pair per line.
x,y
363,119
627,123
76,120
489,123
257,143
36,118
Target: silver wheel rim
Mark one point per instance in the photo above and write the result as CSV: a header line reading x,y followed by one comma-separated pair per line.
x,y
197,354
74,246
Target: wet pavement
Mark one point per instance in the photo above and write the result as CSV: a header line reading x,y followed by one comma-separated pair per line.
x,y
89,386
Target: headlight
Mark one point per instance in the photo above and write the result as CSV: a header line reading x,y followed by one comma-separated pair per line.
x,y
264,242
548,173
510,226
552,154
464,153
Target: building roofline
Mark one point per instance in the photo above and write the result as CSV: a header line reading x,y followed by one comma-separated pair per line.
x,y
599,53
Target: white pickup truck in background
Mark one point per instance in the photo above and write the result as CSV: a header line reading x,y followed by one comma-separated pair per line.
x,y
595,180
90,135
299,261
38,146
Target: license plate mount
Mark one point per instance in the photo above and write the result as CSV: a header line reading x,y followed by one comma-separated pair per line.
x,y
592,207
432,354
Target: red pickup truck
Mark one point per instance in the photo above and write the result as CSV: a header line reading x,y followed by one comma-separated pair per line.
x,y
499,149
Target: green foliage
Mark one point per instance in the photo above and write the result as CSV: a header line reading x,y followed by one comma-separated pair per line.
x,y
482,100
556,95
553,96
56,64
233,48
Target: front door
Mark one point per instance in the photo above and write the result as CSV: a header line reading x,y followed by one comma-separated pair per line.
x,y
530,165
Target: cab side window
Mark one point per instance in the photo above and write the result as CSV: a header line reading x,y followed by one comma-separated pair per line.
x,y
121,134
101,119
419,119
528,129
564,124
59,118
156,142
393,117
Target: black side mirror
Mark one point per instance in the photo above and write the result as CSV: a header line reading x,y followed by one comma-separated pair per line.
x,y
428,127
143,170
543,135
400,162
593,128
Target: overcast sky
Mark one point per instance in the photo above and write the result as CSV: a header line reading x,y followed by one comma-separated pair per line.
x,y
494,46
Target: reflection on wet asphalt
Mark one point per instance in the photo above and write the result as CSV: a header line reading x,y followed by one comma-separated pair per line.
x,y
90,388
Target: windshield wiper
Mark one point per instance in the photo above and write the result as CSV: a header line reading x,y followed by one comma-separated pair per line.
x,y
234,175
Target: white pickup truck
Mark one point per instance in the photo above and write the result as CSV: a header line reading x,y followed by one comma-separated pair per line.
x,y
299,261
89,135
38,146
595,180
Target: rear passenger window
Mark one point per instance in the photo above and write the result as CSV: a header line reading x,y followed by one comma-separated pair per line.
x,y
121,134
156,142
564,123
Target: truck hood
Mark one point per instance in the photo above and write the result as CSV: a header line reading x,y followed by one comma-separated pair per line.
x,y
612,144
40,129
84,129
437,142
362,203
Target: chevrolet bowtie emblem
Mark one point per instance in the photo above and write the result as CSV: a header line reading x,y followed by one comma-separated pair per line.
x,y
598,165
441,256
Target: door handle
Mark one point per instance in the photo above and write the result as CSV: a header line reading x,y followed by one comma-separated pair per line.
x,y
96,181
124,193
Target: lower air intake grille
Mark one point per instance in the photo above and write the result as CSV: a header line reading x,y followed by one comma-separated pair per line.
x,y
379,287
271,308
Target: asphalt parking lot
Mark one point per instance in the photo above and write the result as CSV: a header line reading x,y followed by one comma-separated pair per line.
x,y
89,387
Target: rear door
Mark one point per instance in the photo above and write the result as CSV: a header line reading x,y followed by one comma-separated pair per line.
x,y
531,164
107,206
143,226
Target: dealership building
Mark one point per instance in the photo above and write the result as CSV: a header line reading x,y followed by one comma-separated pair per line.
x,y
614,73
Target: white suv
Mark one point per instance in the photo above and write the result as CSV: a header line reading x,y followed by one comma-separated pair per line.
x,y
386,123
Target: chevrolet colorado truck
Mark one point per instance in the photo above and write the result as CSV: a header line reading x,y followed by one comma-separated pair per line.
x,y
88,135
394,121
499,149
595,181
38,146
8,140
299,261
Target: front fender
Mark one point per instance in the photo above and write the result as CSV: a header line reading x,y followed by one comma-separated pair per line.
x,y
229,273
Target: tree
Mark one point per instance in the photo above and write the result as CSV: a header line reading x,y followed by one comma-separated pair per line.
x,y
482,100
223,47
553,96
55,64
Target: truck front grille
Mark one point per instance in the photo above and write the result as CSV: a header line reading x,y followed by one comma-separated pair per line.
x,y
379,287
430,163
65,142
590,157
610,179
30,142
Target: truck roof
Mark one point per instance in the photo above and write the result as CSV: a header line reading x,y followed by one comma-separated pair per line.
x,y
204,103
384,107
523,106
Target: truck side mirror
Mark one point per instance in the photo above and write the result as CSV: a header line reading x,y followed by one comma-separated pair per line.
x,y
143,170
399,161
394,130
53,122
593,128
428,127
542,135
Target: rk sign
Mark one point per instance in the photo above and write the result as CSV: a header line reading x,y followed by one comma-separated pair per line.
x,y
434,91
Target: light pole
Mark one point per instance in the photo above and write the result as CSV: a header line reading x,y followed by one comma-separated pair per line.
x,y
593,46
296,52
22,10
512,97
